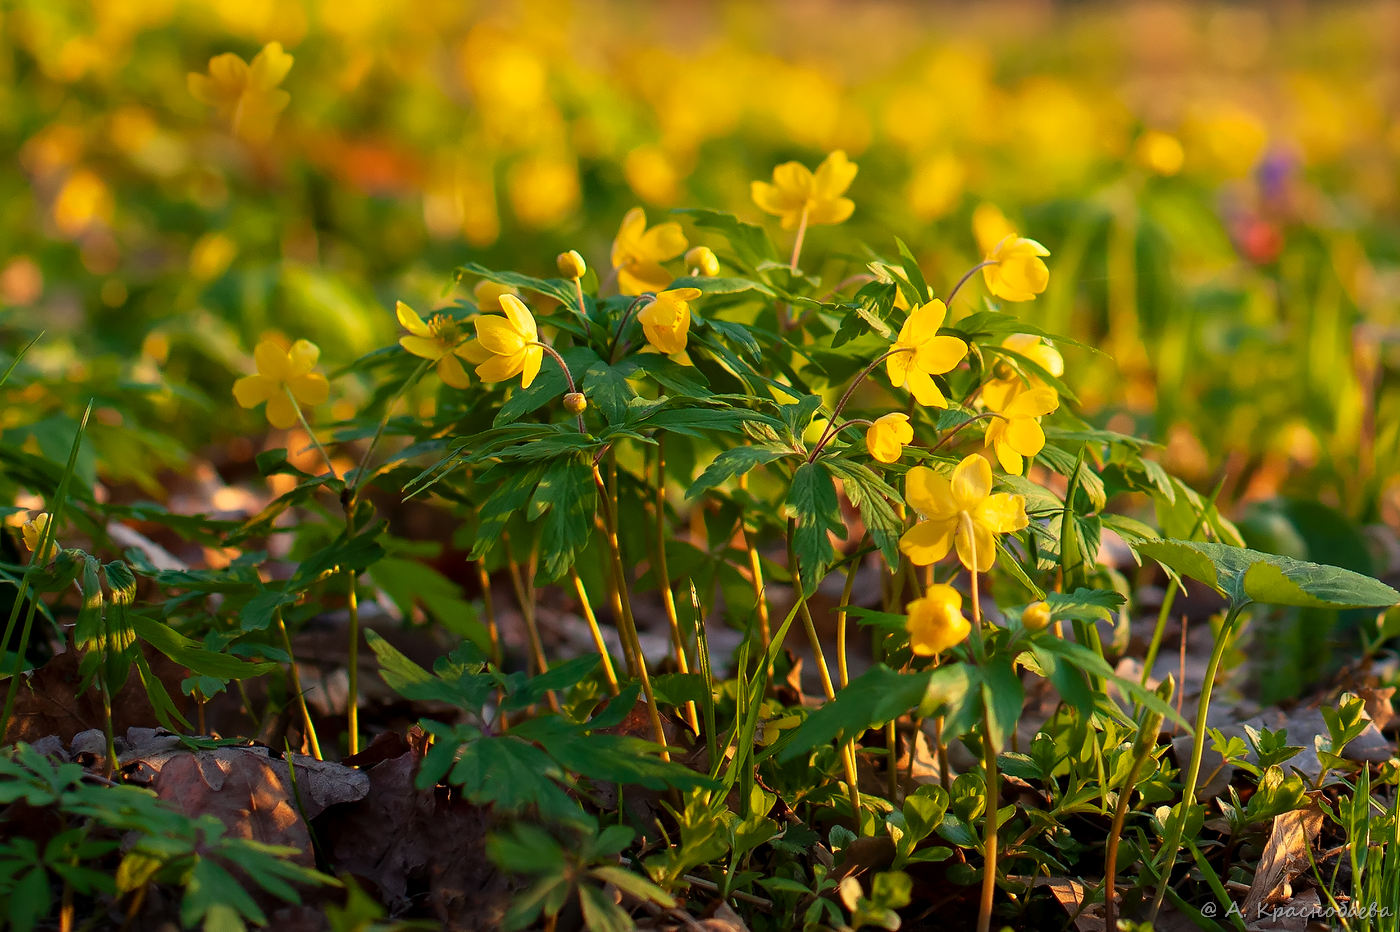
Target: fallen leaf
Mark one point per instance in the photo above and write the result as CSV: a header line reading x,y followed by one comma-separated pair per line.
x,y
1285,855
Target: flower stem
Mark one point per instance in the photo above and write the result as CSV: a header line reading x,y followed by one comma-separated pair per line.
x,y
493,630
592,619
842,670
848,756
622,325
989,751
629,621
383,422
309,432
663,578
755,576
523,584
797,244
831,426
578,290
1172,842
568,377
962,281
310,726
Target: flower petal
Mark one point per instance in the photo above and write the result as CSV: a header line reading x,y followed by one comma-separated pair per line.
x,y
422,346
925,390
833,176
663,241
252,390
449,369
971,483
281,413
641,277
520,317
501,368
302,357
1010,460
410,320
498,335
531,360
624,249
927,542
829,212
1002,513
1025,436
310,389
929,493
978,550
940,355
272,360
1036,402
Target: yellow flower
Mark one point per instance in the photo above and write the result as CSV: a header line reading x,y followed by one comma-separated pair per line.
x,y
1161,152
797,192
487,295
1038,352
1036,617
638,252
920,354
33,533
990,226
936,621
959,512
510,344
246,94
666,321
1016,432
702,259
885,439
283,375
1017,272
442,340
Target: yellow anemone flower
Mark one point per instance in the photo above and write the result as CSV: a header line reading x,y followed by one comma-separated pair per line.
x,y
442,340
961,512
920,354
1017,272
1016,432
1037,351
936,621
666,320
638,252
885,439
797,192
989,227
284,380
487,294
246,94
510,344
33,533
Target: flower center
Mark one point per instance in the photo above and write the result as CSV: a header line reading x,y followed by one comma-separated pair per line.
x,y
446,330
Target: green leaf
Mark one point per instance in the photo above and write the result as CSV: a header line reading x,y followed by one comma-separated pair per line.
x,y
601,914
812,501
1244,575
556,288
749,241
190,654
411,681
724,285
513,775
872,495
876,696
568,499
735,461
1085,604
1003,695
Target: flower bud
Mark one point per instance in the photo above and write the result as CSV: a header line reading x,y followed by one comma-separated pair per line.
x,y
1036,616
571,265
704,259
575,403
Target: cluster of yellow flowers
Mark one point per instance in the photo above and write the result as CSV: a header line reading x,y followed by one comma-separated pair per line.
x,y
957,513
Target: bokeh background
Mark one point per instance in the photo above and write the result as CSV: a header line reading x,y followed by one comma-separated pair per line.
x,y
1218,185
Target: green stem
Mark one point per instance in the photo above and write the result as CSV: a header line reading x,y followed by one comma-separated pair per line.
x,y
568,377
591,618
622,325
309,432
962,281
1172,842
663,579
296,686
629,621
831,425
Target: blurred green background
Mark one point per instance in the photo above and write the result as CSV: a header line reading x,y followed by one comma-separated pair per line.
x,y
1217,183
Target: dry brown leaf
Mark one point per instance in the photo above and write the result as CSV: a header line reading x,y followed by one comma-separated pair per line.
x,y
1285,855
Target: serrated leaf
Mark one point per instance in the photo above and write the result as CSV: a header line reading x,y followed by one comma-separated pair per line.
x,y
568,498
1244,575
730,463
813,503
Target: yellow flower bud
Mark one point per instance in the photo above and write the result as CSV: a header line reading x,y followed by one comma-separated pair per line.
x,y
1036,616
33,532
704,259
571,265
575,403
885,439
